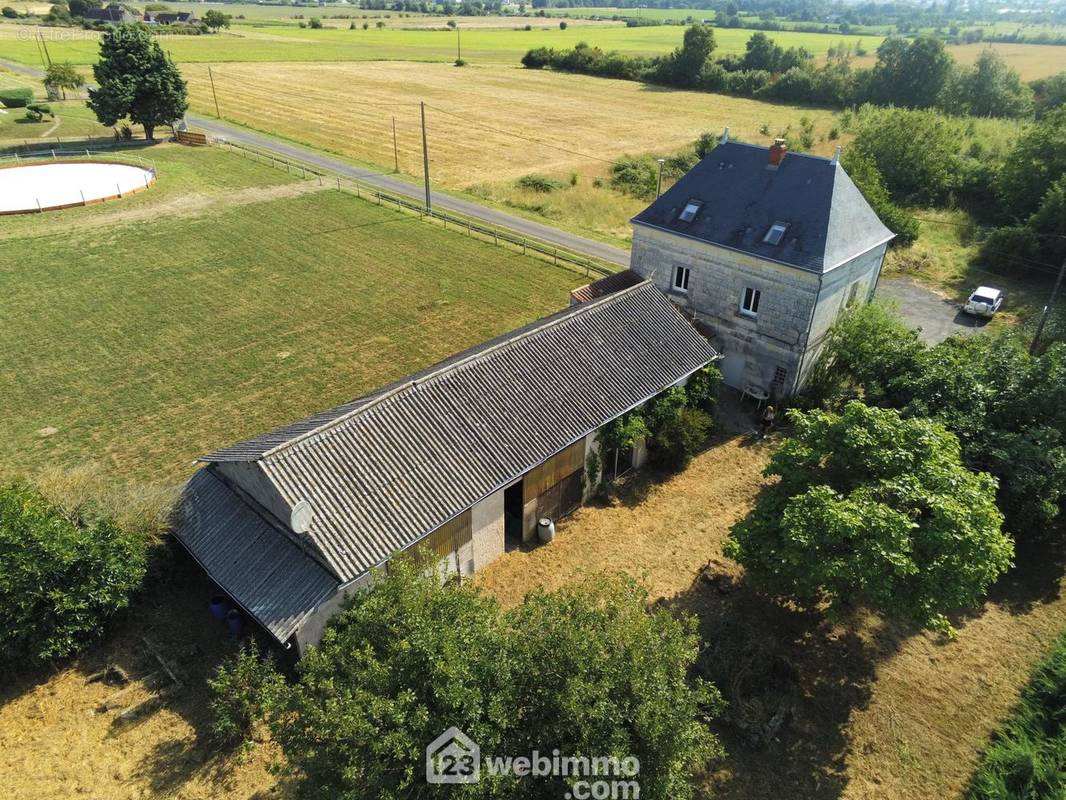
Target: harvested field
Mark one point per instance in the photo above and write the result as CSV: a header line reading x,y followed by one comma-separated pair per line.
x,y
485,123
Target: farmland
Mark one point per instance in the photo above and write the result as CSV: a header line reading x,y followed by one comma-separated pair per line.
x,y
226,300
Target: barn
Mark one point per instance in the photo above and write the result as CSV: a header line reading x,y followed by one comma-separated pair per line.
x,y
452,464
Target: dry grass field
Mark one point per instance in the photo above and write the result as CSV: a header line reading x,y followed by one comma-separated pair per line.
x,y
485,123
877,710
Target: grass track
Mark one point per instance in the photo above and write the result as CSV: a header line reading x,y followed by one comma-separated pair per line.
x,y
146,344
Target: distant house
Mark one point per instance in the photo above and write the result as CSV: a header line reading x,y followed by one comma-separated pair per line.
x,y
763,249
169,18
449,464
112,13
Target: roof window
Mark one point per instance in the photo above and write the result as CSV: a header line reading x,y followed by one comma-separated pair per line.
x,y
776,232
692,207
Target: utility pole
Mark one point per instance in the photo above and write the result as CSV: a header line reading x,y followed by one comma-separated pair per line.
x,y
44,44
1047,310
395,149
659,186
211,76
458,45
425,157
40,52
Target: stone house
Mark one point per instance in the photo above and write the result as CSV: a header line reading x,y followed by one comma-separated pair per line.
x,y
449,465
763,249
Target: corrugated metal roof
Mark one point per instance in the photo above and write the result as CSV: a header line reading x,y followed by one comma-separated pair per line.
x,y
828,220
385,470
605,286
254,562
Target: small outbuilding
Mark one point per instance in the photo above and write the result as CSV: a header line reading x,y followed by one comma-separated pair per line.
x,y
449,464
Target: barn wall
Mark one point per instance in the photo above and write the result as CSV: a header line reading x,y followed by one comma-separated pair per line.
x,y
488,525
249,477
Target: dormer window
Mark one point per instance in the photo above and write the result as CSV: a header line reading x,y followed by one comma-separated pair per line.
x,y
775,234
691,209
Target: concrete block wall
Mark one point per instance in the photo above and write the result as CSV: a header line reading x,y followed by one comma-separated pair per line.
x,y
488,530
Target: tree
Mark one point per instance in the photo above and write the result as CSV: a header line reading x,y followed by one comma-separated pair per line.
x,y
62,575
911,74
863,171
63,76
562,25
873,508
915,151
1007,407
79,7
587,670
684,66
215,19
9,13
990,88
1037,160
136,80
1050,93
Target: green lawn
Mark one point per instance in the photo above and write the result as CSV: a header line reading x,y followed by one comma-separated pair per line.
x,y
146,343
72,119
271,42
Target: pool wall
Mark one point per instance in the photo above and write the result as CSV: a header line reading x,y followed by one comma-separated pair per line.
x,y
80,203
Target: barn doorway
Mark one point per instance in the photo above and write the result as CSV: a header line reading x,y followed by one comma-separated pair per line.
x,y
513,502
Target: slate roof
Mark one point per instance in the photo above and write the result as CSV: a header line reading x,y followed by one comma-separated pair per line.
x,y
829,221
387,469
605,286
253,561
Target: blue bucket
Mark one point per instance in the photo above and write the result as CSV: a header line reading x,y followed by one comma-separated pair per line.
x,y
219,607
235,622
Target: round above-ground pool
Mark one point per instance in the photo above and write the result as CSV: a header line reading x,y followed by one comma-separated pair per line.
x,y
29,188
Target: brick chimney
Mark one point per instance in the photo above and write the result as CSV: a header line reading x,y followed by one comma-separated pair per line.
x,y
777,153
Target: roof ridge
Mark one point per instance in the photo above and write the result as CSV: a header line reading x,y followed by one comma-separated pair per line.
x,y
454,362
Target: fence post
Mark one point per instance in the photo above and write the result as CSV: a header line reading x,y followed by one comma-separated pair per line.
x,y
556,256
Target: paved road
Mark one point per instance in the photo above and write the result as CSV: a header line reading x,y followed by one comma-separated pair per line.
x,y
936,317
526,227
388,183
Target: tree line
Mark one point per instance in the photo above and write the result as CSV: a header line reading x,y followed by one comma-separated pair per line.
x,y
917,73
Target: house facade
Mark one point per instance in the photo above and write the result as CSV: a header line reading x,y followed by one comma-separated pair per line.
x,y
763,249
448,465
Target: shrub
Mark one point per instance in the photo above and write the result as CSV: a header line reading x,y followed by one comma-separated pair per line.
x,y
1007,249
61,575
16,98
460,62
562,25
314,22
244,689
635,175
538,183
9,12
679,438
703,388
538,58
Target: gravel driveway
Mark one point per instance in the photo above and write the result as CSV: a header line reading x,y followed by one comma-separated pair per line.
x,y
935,316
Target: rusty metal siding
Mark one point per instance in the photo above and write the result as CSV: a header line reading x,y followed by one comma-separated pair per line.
x,y
384,471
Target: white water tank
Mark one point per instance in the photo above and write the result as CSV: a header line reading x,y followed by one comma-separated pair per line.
x,y
545,530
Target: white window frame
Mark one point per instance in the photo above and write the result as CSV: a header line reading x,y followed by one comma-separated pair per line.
x,y
684,273
749,301
777,226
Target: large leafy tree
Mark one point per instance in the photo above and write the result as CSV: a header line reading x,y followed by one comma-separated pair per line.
x,y
911,73
588,671
62,574
989,88
1037,160
63,76
873,508
915,151
137,80
1007,407
684,66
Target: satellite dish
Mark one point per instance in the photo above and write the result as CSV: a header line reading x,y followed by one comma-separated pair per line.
x,y
301,516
